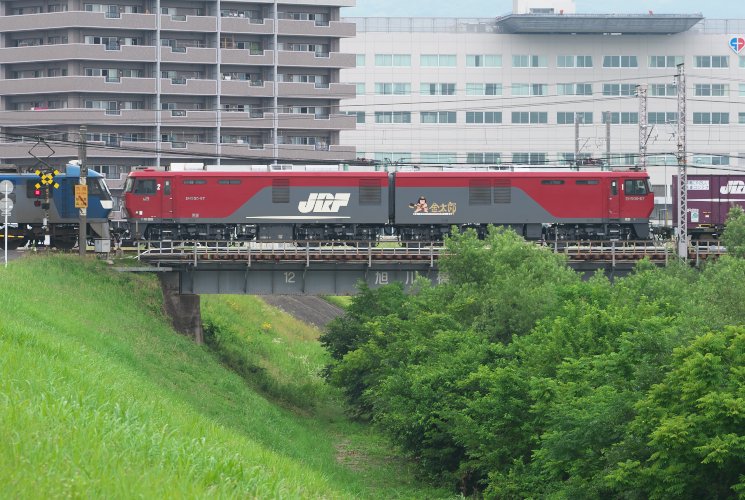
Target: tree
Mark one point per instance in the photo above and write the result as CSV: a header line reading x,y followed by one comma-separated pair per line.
x,y
733,236
693,425
503,285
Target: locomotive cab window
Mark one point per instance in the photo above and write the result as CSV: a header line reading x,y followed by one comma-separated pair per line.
x,y
96,187
145,186
635,187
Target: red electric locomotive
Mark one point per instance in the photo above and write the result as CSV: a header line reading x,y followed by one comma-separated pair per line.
x,y
288,205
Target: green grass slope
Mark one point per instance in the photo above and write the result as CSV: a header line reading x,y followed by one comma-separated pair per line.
x,y
100,398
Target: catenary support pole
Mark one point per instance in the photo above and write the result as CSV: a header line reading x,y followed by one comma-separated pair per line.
x,y
682,227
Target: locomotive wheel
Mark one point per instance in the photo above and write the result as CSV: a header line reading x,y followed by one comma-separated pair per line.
x,y
13,243
64,243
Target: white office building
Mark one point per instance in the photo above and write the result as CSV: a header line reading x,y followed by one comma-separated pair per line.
x,y
547,86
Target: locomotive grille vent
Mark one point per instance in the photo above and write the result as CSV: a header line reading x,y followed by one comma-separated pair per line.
x,y
370,192
502,191
280,190
479,192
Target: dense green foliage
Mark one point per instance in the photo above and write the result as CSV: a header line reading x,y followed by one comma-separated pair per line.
x,y
733,236
517,379
100,398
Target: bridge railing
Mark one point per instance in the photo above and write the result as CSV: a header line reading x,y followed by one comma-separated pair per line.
x,y
285,251
621,250
314,251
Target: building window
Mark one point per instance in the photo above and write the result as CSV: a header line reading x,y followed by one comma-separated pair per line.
x,y
396,60
665,61
661,118
360,60
567,117
529,61
711,61
710,118
391,157
741,118
663,89
529,158
438,60
484,61
574,61
621,118
392,117
448,158
710,160
437,89
438,116
529,89
481,158
529,117
620,62
620,89
359,115
574,88
395,88
711,89
742,90
483,117
359,88
483,89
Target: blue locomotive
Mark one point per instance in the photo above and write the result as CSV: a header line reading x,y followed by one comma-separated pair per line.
x,y
32,204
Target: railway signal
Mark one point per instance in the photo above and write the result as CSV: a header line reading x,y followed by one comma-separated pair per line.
x,y
47,179
44,185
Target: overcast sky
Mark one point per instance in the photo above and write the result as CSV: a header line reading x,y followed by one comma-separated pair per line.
x,y
713,9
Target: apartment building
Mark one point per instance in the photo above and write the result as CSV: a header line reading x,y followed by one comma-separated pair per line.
x,y
547,88
163,81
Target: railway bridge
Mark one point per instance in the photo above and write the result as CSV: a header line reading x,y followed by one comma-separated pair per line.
x,y
189,269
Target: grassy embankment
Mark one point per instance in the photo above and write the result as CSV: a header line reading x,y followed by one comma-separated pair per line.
x,y
342,301
100,398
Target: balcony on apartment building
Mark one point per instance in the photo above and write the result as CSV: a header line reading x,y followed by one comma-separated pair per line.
x,y
187,51
185,84
245,88
78,19
315,152
83,51
63,84
315,27
240,20
310,59
317,90
316,121
43,116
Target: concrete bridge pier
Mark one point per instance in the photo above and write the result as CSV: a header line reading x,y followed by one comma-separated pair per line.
x,y
183,309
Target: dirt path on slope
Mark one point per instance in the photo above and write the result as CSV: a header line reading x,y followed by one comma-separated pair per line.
x,y
306,308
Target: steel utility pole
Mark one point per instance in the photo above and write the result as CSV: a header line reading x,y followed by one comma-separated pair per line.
x,y
275,86
607,139
641,91
682,187
576,140
82,191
